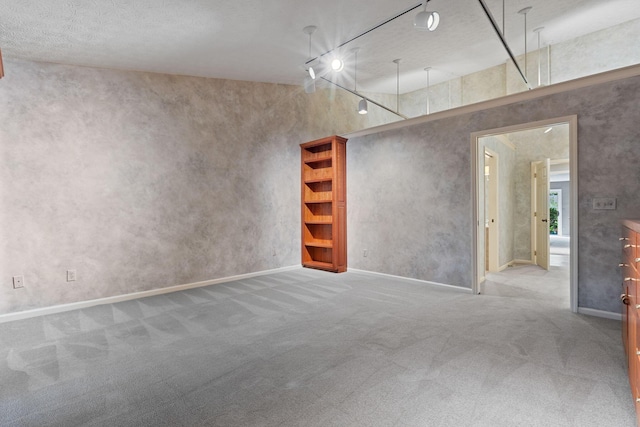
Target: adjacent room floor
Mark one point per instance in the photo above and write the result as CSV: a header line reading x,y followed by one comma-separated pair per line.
x,y
308,348
530,281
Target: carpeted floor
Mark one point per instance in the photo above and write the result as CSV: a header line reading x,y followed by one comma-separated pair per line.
x,y
308,348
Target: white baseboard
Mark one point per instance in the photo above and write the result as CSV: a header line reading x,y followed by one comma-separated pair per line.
x,y
600,313
522,261
135,295
426,282
504,267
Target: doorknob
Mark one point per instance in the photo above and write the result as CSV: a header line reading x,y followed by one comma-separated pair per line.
x,y
544,220
625,299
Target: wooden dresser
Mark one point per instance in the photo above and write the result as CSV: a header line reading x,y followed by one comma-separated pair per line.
x,y
630,265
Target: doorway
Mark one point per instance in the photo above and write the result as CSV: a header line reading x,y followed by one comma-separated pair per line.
x,y
522,238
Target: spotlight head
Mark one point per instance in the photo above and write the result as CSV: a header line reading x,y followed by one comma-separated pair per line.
x,y
426,21
362,106
312,73
337,65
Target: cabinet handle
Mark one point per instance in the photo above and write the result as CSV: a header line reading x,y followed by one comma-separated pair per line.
x,y
629,246
623,265
625,299
637,260
623,238
627,279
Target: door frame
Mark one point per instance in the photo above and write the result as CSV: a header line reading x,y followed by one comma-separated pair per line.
x,y
494,201
572,121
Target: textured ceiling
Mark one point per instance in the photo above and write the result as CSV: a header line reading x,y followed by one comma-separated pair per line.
x,y
263,40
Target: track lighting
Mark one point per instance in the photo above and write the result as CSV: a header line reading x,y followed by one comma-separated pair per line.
x,y
363,108
337,65
426,21
310,30
362,105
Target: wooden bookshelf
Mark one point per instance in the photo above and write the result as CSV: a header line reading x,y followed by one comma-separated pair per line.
x,y
324,204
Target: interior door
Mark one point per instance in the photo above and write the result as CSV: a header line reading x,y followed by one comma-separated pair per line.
x,y
491,211
541,179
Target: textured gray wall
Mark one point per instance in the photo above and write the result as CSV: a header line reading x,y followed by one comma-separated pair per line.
x,y
409,202
142,181
409,190
506,197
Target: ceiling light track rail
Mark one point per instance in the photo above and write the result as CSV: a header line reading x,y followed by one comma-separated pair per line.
x,y
504,41
365,32
365,97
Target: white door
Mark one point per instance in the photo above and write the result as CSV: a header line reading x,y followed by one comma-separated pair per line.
x,y
541,214
491,211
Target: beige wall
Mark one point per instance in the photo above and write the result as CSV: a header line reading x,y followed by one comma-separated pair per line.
x,y
604,50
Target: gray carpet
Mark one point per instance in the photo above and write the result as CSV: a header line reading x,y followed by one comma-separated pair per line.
x,y
307,348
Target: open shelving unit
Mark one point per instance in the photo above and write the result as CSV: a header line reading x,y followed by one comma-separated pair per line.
x,y
324,204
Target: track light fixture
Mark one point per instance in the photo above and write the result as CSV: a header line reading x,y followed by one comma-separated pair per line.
x,y
426,21
362,105
363,108
310,30
337,65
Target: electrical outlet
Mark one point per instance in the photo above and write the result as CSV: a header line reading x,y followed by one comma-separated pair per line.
x,y
604,203
365,253
18,282
71,275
